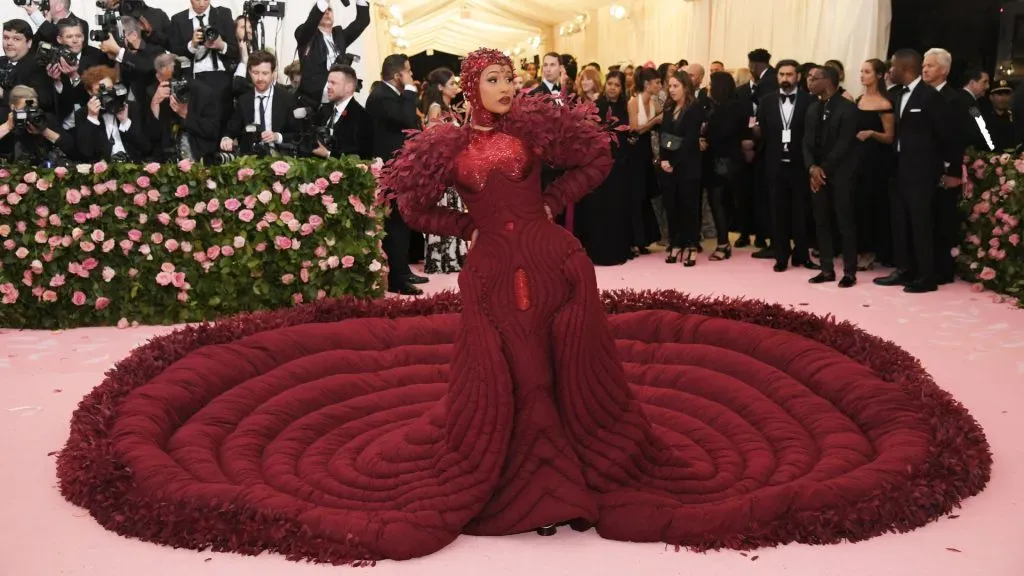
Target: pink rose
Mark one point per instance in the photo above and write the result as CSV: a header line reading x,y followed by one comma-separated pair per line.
x,y
164,278
322,184
217,224
156,238
187,224
244,174
304,275
282,242
126,245
213,252
346,261
153,194
320,252
49,296
280,168
21,189
333,261
129,188
108,245
5,230
90,263
265,196
183,211
152,168
183,297
86,246
246,215
239,242
186,247
97,236
60,171
262,225
357,204
178,279
142,181
122,324
287,279
9,245
31,177
20,226
78,298
1014,239
993,242
99,189
145,250
139,199
213,205
134,235
987,273
120,212
54,220
249,201
232,204
43,185
182,191
336,177
102,302
72,196
57,281
108,273
286,217
199,256
261,246
320,294
286,196
40,237
297,298
185,165
95,211
199,207
13,199
227,251
99,167
270,217
164,218
306,230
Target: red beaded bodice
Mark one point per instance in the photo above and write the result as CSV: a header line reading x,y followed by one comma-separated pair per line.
x,y
490,151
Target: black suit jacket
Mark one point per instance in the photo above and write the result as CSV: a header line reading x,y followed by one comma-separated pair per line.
x,y
959,117
71,94
181,30
925,137
767,84
769,117
29,73
392,115
282,117
48,31
202,123
37,147
160,26
137,70
353,133
834,153
93,143
686,160
313,49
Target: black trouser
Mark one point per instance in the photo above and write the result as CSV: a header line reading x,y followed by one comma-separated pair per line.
x,y
681,196
788,193
834,202
913,224
219,83
724,175
761,200
947,231
743,197
396,248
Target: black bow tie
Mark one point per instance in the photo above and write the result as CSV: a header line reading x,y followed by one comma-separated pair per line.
x,y
904,89
788,97
556,88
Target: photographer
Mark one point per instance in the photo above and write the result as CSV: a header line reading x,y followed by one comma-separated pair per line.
x,y
350,128
109,127
266,105
205,34
183,119
135,57
19,66
153,22
30,134
321,43
63,62
46,23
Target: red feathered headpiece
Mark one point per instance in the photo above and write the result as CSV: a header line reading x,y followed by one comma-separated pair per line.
x,y
472,67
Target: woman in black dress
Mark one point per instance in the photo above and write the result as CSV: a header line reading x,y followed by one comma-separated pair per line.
x,y
876,128
728,125
644,116
680,168
603,216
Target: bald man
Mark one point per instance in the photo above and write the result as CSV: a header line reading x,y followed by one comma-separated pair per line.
x,y
696,74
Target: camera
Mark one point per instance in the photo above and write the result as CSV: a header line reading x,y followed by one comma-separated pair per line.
x,y
47,54
108,23
44,5
256,9
255,144
7,76
113,99
220,158
181,89
209,34
346,59
31,115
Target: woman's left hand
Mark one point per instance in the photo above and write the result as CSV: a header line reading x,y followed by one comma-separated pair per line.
x,y
547,210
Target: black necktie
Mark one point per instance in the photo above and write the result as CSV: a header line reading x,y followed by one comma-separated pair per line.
x,y
263,113
207,51
788,98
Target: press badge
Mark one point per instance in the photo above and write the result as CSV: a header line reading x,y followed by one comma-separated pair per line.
x,y
787,136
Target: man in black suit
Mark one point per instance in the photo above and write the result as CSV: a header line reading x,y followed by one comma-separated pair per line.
x,y
67,81
830,139
267,105
765,78
349,125
935,73
206,35
321,43
553,76
136,58
19,66
1006,135
153,22
780,122
973,97
927,153
46,23
392,106
38,142
181,129
106,129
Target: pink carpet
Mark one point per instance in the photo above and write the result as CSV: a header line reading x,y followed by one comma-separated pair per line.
x,y
973,347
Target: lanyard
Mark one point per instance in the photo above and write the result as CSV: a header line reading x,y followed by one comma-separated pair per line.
x,y
786,122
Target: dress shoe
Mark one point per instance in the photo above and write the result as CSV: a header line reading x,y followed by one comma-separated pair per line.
x,y
780,267
897,278
806,264
764,254
920,287
759,243
742,242
406,290
549,530
823,277
414,279
848,281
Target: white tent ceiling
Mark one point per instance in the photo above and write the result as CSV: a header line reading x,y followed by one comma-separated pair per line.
x,y
460,26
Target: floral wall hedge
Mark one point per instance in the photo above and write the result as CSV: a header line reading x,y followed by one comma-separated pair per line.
x,y
992,253
104,245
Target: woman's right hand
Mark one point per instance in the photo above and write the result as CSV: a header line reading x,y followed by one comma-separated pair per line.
x,y
472,239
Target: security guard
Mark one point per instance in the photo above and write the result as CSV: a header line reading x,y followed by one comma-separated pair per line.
x,y
1000,120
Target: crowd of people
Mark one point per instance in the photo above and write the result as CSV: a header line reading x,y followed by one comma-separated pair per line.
x,y
781,155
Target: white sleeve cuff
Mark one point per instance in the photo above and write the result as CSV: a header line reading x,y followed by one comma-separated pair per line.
x,y
240,70
120,56
323,5
191,49
411,87
125,126
278,138
95,121
362,3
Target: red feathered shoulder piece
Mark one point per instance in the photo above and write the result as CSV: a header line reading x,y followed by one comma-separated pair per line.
x,y
569,137
418,176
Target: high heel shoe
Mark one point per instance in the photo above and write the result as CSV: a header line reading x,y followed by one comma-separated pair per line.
x,y
723,252
690,257
673,256
549,530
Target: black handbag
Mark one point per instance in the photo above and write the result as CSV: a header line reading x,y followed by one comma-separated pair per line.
x,y
671,142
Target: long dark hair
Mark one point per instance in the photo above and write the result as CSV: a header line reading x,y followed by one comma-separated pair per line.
x,y
621,77
878,67
684,79
723,88
641,76
436,81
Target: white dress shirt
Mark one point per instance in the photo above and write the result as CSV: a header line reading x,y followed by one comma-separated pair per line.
x,y
114,129
269,105
904,98
205,64
339,109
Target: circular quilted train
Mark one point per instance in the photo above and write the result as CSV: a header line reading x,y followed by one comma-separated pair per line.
x,y
307,432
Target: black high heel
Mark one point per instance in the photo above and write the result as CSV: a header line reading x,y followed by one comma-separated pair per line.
x,y
690,257
723,252
549,530
673,256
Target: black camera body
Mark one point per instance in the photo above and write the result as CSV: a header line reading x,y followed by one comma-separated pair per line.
x,y
346,59
44,5
210,33
113,99
47,54
31,115
181,87
7,76
108,23
254,142
256,9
